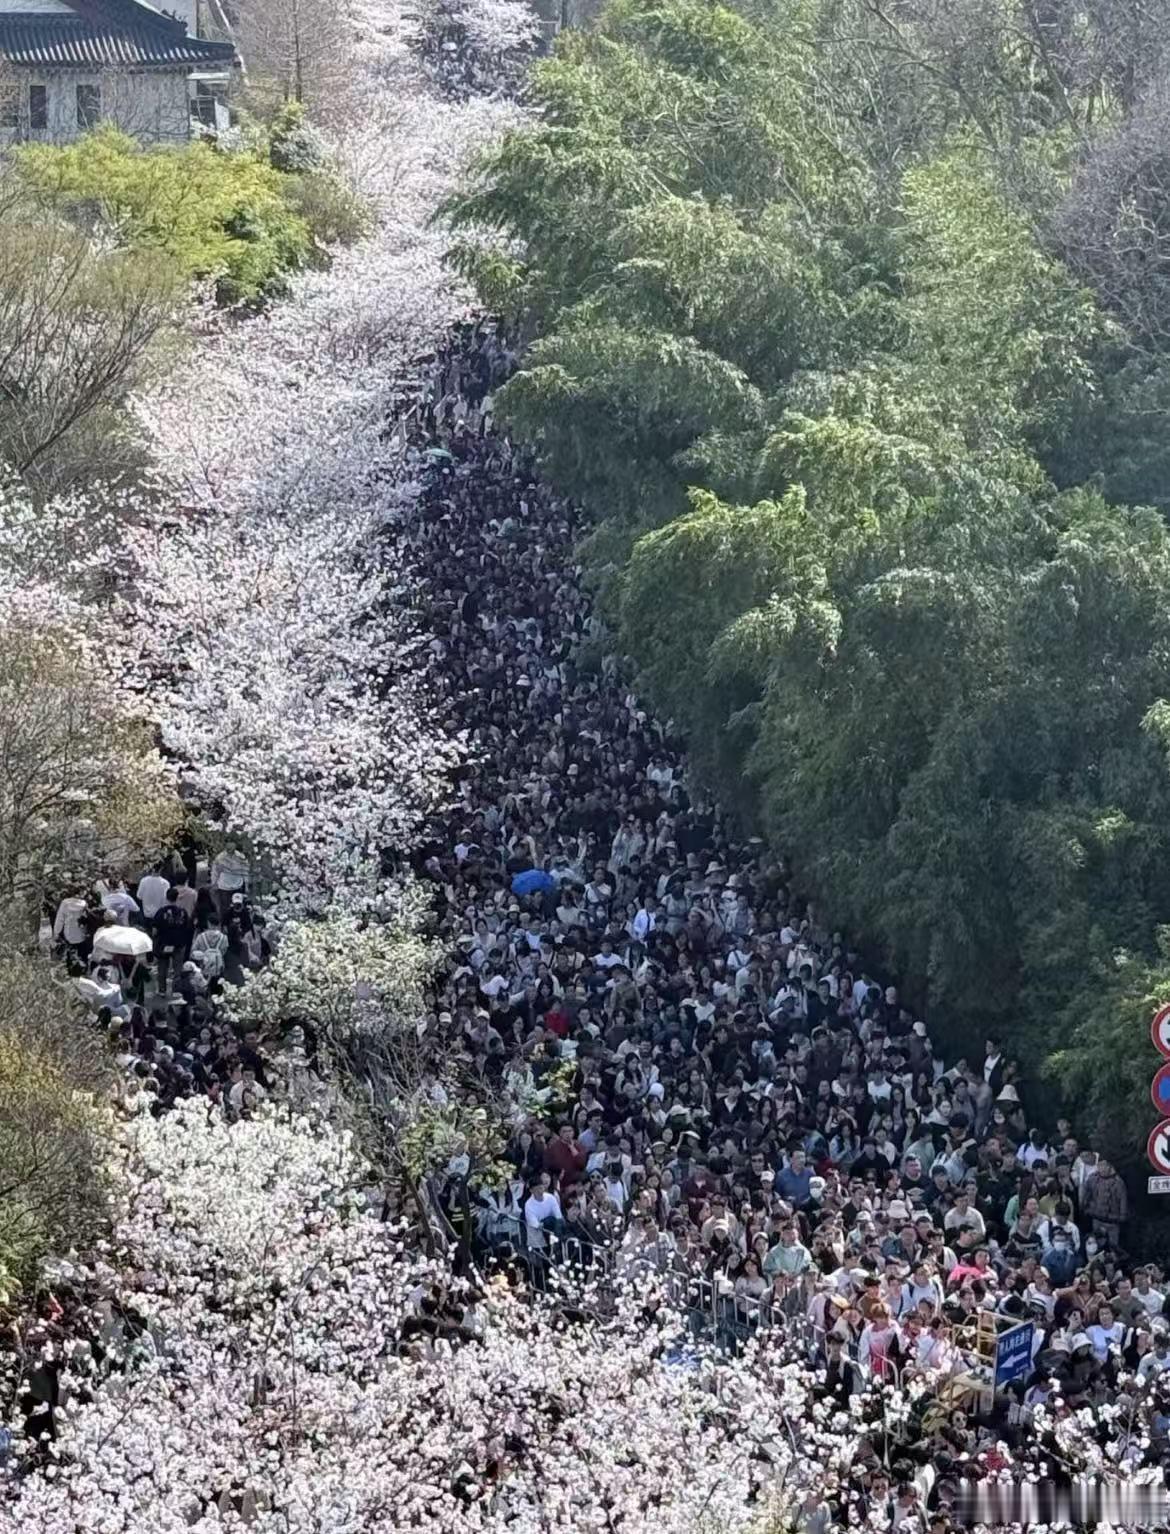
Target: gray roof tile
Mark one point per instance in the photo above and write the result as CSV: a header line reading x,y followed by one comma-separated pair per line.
x,y
133,38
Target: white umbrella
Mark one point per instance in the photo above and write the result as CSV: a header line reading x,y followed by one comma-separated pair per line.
x,y
129,942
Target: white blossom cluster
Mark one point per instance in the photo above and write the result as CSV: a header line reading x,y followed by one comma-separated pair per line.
x,y
251,1304
261,611
343,972
269,1377
269,628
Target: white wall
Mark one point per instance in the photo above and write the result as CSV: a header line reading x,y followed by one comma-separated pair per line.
x,y
37,7
150,104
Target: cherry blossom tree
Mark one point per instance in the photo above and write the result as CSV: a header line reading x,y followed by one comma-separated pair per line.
x,y
282,1359
475,46
271,635
262,603
261,625
345,975
284,1368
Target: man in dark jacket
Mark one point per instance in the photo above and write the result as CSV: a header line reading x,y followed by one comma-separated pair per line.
x,y
173,931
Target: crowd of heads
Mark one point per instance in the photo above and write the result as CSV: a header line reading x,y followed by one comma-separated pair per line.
x,y
720,1089
149,956
719,1080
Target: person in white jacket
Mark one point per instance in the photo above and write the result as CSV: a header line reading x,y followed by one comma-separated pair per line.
x,y
542,1213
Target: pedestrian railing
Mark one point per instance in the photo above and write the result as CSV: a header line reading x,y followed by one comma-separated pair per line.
x,y
592,1274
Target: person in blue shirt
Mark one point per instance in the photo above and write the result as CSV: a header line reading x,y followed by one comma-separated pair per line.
x,y
1060,1261
792,1181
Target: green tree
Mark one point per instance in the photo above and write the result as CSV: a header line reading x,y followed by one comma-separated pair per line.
x,y
802,333
82,786
213,213
53,1119
1107,1062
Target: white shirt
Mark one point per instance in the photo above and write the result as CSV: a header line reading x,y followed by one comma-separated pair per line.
x,y
934,1352
66,924
537,1210
98,993
228,871
1151,1301
931,1291
122,903
1152,1364
968,1219
1103,1339
152,894
238,1088
1036,1296
643,922
617,1194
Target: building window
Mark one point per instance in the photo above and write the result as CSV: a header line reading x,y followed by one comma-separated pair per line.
x,y
38,107
89,105
203,104
9,104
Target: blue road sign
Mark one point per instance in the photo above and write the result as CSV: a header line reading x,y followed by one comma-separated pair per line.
x,y
1013,1353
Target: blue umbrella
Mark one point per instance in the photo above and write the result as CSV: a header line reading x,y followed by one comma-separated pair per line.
x,y
531,880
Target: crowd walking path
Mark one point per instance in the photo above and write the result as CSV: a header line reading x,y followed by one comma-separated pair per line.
x,y
716,1068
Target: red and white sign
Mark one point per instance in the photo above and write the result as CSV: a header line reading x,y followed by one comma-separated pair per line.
x,y
1160,1030
1158,1147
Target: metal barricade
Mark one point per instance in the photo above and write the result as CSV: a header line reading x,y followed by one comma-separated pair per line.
x,y
713,1310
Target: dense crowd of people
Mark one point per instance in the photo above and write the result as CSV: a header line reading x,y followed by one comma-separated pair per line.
x,y
720,1085
723,1099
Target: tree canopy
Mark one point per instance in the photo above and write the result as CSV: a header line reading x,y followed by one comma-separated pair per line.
x,y
844,322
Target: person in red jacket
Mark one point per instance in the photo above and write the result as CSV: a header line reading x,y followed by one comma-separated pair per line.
x,y
564,1157
557,1020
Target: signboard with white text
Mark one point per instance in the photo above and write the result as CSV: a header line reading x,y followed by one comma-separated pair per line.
x,y
1013,1353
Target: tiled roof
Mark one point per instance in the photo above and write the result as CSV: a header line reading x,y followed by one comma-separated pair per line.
x,y
105,34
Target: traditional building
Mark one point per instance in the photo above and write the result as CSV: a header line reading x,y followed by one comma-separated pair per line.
x,y
66,65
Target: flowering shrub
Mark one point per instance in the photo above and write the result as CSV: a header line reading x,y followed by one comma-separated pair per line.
x,y
342,974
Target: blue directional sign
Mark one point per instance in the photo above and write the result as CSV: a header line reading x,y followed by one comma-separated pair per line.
x,y
1013,1353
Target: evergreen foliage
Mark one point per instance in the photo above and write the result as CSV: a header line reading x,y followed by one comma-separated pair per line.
x,y
839,330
